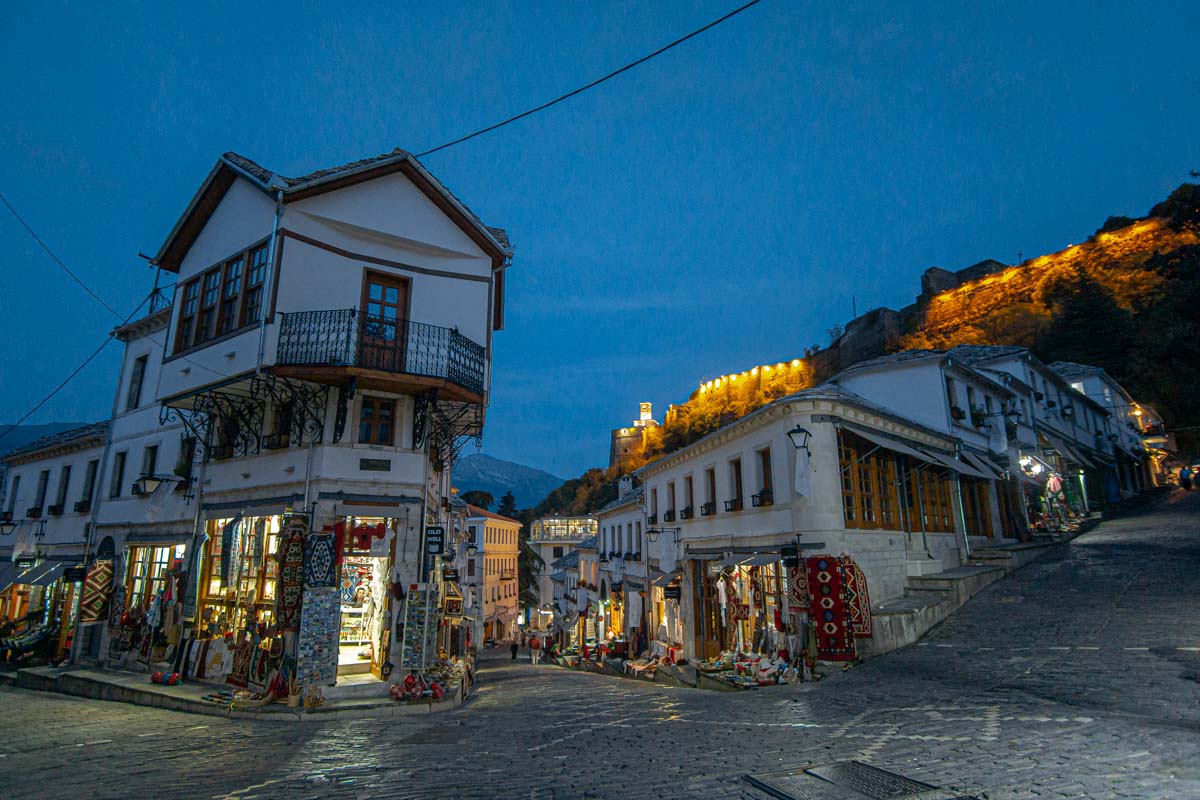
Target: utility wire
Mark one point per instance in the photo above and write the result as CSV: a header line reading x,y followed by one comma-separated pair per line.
x,y
70,377
58,260
593,84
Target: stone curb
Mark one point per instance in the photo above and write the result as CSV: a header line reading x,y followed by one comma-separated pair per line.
x,y
95,687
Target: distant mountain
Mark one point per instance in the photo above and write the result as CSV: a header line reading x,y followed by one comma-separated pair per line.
x,y
22,435
495,476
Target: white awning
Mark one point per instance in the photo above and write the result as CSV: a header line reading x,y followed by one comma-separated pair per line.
x,y
892,444
750,560
666,580
962,467
982,464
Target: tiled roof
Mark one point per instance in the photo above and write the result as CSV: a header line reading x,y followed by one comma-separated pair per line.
x,y
902,357
476,511
632,497
264,177
1069,369
589,543
96,429
570,559
971,354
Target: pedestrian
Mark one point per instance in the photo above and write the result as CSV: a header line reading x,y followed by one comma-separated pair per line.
x,y
1185,479
535,649
522,638
513,649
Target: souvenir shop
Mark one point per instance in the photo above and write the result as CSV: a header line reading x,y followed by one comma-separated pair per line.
x,y
37,608
762,619
1054,497
665,617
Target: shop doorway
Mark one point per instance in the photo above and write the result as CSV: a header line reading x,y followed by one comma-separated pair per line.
x,y
709,623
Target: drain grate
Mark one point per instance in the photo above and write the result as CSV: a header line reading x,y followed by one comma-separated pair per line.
x,y
848,780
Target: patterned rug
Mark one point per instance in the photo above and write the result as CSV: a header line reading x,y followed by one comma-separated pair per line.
x,y
857,598
798,599
290,589
320,560
830,615
239,673
93,603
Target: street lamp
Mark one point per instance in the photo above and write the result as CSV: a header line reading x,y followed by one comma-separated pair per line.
x,y
7,527
472,549
800,437
652,534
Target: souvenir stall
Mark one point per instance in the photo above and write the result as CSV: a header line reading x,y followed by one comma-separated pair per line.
x,y
1054,504
765,620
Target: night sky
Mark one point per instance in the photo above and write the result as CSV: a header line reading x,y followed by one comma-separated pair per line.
x,y
713,209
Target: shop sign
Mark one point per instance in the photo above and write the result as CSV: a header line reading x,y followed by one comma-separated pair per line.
x,y
452,606
75,573
435,540
449,574
671,592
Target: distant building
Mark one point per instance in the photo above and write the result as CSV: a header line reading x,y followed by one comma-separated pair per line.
x,y
628,443
552,538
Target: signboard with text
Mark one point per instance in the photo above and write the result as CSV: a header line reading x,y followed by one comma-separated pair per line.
x,y
435,540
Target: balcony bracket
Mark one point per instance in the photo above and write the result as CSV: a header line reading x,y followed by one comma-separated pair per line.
x,y
345,395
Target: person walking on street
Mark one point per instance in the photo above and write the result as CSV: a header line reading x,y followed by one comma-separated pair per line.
x,y
1185,479
513,649
535,649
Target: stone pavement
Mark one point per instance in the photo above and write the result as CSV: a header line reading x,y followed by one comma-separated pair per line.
x,y
1073,678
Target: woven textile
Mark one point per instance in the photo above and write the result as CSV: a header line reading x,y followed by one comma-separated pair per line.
x,y
231,548
291,579
828,609
857,598
239,673
797,589
320,560
93,603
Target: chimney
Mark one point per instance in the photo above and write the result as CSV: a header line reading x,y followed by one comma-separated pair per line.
x,y
624,487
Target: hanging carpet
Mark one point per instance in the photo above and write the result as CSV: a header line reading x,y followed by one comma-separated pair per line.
x,y
320,560
797,589
290,590
857,598
828,609
239,673
93,603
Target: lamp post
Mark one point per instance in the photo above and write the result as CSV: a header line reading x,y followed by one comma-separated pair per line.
x,y
800,438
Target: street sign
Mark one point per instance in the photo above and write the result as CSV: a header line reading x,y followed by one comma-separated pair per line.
x,y
671,592
435,540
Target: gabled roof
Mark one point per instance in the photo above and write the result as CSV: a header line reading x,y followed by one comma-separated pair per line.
x,y
902,357
633,497
476,511
1069,369
972,354
589,543
232,165
96,431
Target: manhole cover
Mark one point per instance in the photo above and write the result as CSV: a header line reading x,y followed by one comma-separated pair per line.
x,y
847,780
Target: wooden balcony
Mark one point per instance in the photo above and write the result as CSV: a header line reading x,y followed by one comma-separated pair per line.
x,y
380,352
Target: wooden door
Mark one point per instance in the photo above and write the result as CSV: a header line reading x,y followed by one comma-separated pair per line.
x,y
383,328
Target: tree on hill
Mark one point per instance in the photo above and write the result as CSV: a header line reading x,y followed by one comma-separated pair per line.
x,y
480,498
1087,325
508,506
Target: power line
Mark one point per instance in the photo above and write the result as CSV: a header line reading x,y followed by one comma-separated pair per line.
x,y
593,84
58,260
70,377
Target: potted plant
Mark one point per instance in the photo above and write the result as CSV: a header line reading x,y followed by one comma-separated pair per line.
x,y
978,416
957,413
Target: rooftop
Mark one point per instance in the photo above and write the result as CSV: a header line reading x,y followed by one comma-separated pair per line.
x,y
94,430
476,511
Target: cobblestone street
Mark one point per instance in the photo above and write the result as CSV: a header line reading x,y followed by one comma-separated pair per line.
x,y
1075,677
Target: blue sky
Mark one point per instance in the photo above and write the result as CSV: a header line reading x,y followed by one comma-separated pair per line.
x,y
713,209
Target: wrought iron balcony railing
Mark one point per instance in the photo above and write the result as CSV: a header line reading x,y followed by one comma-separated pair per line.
x,y
346,337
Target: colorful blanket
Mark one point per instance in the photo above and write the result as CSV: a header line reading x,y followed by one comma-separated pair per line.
x,y
828,608
858,600
290,589
93,603
320,560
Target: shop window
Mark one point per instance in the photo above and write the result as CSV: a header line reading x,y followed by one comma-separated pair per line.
x,y
245,594
977,511
376,421
868,475
149,569
136,377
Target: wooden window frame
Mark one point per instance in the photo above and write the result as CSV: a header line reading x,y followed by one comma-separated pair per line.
x,y
232,299
868,477
149,460
64,482
89,480
13,488
765,479
43,487
376,404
